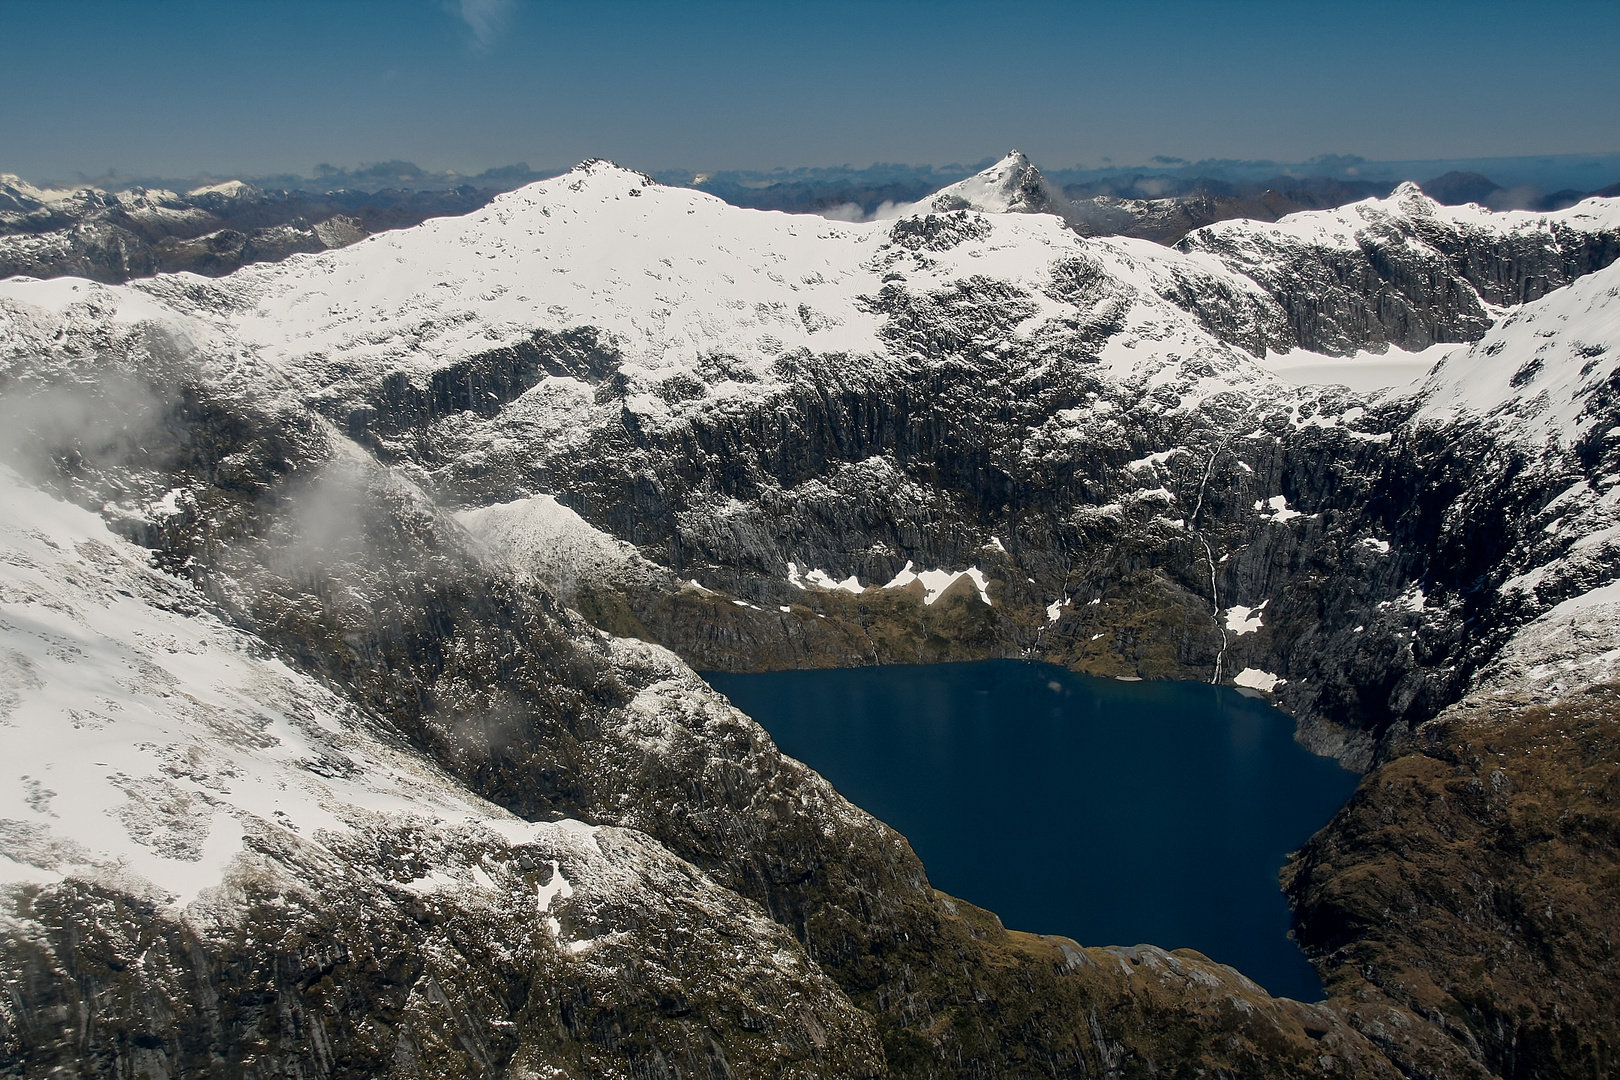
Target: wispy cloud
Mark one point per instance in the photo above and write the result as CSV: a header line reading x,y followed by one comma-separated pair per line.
x,y
485,18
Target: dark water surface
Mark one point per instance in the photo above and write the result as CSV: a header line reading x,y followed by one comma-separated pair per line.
x,y
1114,813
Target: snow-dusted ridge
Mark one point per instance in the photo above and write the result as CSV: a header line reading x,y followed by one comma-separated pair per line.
x,y
148,740
684,287
1342,227
1543,373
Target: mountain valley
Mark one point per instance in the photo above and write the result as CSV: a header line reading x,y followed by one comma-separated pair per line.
x,y
352,601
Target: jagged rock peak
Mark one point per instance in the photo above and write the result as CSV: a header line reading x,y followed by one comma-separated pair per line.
x,y
1412,199
595,167
1011,185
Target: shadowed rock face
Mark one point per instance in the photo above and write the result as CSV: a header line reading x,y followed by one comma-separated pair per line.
x,y
359,976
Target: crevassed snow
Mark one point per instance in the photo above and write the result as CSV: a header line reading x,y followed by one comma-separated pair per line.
x,y
935,582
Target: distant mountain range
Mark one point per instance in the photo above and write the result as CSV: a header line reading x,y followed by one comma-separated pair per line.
x,y
116,230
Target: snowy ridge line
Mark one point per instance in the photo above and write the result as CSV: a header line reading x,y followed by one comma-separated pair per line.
x,y
686,290
158,752
1339,227
682,285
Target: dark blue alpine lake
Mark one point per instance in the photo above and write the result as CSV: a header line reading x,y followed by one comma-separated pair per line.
x,y
1114,813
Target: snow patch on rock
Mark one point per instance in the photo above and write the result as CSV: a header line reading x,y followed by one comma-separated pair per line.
x,y
820,579
935,582
1256,679
1242,620
1276,509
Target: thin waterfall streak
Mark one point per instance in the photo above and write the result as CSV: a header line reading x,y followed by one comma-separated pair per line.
x,y
1209,467
1209,555
1220,657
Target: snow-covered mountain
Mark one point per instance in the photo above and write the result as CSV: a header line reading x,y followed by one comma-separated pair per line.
x,y
1407,272
1012,185
338,625
583,337
162,759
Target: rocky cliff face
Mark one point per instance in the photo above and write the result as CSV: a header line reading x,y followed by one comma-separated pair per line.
x,y
434,485
1405,271
305,874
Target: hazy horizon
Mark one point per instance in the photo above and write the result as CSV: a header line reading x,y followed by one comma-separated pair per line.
x,y
187,89
1545,173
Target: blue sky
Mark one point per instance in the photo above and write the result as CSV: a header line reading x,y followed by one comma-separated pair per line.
x,y
181,87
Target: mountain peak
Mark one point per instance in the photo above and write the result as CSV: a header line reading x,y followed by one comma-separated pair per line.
x,y
605,167
1411,199
1011,185
601,175
1410,190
